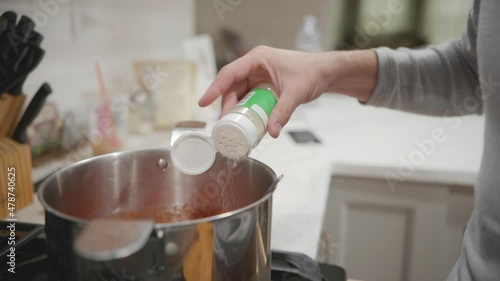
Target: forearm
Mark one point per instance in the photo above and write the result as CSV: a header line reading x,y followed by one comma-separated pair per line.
x,y
355,73
437,80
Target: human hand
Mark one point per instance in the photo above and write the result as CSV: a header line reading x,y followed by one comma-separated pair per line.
x,y
296,76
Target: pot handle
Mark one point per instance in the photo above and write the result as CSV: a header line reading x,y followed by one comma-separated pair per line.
x,y
109,239
273,185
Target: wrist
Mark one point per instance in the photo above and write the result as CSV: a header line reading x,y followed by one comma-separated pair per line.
x,y
328,65
353,73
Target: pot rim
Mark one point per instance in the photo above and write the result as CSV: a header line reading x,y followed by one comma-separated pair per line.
x,y
185,223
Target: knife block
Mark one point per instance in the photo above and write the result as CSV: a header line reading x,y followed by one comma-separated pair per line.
x,y
15,166
10,112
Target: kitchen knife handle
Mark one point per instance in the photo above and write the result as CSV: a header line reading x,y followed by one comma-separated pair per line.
x,y
11,17
3,25
33,58
17,88
25,27
35,38
31,112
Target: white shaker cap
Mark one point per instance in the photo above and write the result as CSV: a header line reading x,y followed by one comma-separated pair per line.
x,y
193,153
235,136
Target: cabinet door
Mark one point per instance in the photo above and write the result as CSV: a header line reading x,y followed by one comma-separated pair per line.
x,y
379,234
460,207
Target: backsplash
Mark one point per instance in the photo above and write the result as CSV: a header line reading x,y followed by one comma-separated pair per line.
x,y
77,33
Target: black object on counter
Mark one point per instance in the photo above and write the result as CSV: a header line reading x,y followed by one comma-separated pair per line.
x,y
25,27
20,51
31,112
31,260
303,137
299,267
3,24
28,63
8,34
10,16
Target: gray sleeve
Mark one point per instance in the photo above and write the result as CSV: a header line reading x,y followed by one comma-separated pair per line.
x,y
438,80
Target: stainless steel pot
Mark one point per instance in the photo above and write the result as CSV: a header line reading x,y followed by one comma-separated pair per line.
x,y
233,245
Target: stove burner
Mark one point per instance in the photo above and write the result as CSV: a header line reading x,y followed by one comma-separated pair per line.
x,y
31,260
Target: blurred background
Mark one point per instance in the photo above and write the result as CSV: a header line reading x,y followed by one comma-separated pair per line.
x,y
119,32
412,23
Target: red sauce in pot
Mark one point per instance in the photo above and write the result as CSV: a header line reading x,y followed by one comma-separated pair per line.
x,y
164,214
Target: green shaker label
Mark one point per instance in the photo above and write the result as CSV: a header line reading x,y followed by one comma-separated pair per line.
x,y
262,101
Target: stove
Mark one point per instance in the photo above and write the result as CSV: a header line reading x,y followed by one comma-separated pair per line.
x,y
31,259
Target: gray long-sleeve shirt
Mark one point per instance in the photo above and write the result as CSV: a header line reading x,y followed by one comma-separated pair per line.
x,y
457,78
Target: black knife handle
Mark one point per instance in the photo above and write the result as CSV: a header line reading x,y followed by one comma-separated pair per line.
x,y
30,62
11,17
35,38
31,112
25,26
17,88
3,24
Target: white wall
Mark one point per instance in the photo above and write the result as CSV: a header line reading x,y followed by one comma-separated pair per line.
x,y
445,19
114,32
398,23
263,22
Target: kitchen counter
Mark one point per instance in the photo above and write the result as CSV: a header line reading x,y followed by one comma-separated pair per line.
x,y
358,141
361,141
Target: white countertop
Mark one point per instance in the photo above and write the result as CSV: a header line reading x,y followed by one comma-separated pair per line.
x,y
361,141
357,141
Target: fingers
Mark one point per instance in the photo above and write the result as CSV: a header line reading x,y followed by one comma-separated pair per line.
x,y
233,95
230,74
281,113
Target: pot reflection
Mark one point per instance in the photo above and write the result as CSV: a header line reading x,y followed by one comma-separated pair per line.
x,y
234,247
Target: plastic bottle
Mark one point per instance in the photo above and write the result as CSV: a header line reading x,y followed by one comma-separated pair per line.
x,y
241,130
308,37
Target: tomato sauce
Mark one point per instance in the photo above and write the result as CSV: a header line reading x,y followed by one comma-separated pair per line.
x,y
164,214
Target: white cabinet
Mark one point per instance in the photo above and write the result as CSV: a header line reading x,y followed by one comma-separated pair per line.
x,y
410,233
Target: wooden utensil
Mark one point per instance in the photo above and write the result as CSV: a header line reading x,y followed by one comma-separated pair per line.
x,y
198,261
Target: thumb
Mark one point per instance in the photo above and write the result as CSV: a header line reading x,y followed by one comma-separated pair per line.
x,y
281,114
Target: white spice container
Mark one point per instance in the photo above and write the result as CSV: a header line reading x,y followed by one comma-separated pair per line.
x,y
241,130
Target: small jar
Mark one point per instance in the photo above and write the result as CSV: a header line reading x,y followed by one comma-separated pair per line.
x,y
241,130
